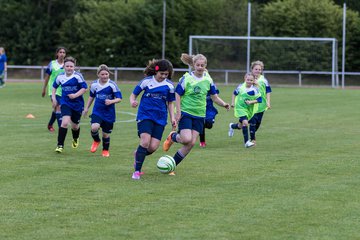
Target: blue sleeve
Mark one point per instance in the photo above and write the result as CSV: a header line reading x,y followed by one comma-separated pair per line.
x,y
118,95
213,89
83,85
55,85
171,97
268,89
137,90
180,88
48,69
259,99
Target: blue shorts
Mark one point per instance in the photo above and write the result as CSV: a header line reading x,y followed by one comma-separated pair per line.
x,y
67,111
57,98
150,127
106,127
242,118
257,118
192,123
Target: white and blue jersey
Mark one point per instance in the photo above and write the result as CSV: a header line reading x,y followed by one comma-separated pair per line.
x,y
70,85
153,104
100,93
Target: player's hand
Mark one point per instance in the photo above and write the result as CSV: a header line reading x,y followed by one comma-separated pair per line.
x,y
173,124
134,104
85,112
72,95
108,102
43,93
54,103
227,106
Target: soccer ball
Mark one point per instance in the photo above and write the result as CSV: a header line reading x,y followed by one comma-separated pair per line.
x,y
166,164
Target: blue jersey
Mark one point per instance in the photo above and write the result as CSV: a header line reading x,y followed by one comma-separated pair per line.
x,y
3,60
211,111
100,93
153,104
69,85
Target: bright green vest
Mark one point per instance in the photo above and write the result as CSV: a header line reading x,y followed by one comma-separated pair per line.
x,y
194,99
241,109
55,70
262,89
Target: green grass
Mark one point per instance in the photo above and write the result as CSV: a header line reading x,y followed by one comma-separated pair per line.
x,y
301,181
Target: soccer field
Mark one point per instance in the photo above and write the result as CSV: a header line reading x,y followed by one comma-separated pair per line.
x,y
301,181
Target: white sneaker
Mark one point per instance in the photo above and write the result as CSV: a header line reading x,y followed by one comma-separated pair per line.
x,y
136,175
249,144
231,130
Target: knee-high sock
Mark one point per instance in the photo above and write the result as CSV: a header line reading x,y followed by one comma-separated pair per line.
x,y
178,157
252,128
106,143
52,118
140,157
75,133
62,136
95,136
245,133
202,135
58,118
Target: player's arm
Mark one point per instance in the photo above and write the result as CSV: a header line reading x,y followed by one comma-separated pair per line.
x,y
88,105
268,100
46,81
219,101
178,107
112,101
77,94
53,97
172,115
133,102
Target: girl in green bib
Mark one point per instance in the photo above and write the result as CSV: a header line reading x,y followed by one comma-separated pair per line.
x,y
190,94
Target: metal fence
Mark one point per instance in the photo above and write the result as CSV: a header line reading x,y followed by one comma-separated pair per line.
x,y
221,76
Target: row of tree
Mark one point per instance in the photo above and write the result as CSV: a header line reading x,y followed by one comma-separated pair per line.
x,y
129,32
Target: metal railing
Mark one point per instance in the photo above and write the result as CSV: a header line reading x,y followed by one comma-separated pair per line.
x,y
224,72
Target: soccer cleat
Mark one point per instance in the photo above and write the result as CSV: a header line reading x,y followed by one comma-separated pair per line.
x,y
172,173
50,128
231,130
136,175
94,146
105,153
59,149
254,142
168,142
75,143
202,144
249,144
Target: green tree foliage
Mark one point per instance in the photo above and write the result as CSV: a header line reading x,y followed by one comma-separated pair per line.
x,y
29,28
129,32
291,18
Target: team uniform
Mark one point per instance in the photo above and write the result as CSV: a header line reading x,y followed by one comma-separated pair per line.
x,y
152,113
193,92
264,88
3,60
70,107
53,69
104,114
245,111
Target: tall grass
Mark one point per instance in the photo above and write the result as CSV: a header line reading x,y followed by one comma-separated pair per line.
x,y
301,181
